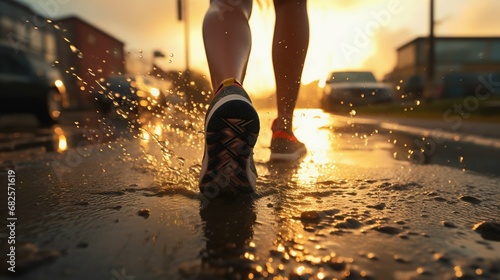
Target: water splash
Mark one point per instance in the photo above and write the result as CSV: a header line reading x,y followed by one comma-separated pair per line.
x,y
179,122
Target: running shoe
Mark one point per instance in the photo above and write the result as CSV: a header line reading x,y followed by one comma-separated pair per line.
x,y
231,129
285,146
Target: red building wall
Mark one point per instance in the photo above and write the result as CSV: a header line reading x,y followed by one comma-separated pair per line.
x,y
90,54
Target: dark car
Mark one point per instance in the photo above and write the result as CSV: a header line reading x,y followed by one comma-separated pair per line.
x,y
345,89
412,88
459,85
448,86
28,84
130,93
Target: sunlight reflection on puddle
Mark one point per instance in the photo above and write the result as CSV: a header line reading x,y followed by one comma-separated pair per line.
x,y
332,142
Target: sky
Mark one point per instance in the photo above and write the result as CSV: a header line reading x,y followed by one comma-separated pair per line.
x,y
344,34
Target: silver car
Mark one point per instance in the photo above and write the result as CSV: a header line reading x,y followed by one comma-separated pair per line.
x,y
347,89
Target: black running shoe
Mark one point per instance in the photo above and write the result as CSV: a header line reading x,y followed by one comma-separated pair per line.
x,y
285,146
231,129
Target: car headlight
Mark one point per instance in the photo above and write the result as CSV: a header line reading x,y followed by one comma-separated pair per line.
x,y
155,92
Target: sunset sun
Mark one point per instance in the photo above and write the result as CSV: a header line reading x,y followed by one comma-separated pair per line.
x,y
339,39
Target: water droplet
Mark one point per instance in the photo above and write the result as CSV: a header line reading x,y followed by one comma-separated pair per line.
x,y
171,54
73,48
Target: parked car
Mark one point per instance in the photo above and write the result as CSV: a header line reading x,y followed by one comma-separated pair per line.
x,y
28,84
132,93
448,86
412,88
345,89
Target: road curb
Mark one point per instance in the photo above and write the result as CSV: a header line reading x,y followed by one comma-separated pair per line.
x,y
437,132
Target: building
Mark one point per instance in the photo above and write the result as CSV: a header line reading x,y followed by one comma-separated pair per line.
x,y
82,52
87,54
458,63
21,27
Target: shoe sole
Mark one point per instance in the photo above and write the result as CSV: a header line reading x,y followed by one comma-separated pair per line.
x,y
232,127
289,156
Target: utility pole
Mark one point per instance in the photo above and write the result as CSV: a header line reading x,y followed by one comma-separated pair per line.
x,y
182,15
430,82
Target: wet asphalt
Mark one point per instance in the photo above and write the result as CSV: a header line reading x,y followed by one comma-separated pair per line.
x,y
100,197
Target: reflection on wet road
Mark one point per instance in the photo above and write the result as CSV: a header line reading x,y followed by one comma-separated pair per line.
x,y
356,207
326,136
21,137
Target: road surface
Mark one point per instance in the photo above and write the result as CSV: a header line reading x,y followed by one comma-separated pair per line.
x,y
105,198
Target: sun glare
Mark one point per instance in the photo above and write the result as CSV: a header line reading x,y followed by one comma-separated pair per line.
x,y
333,44
343,35
309,130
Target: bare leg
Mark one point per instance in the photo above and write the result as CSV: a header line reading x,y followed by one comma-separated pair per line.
x,y
227,39
232,123
291,39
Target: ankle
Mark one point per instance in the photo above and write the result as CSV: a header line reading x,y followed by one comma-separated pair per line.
x,y
284,124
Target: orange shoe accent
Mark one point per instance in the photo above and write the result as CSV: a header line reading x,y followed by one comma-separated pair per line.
x,y
285,135
228,82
